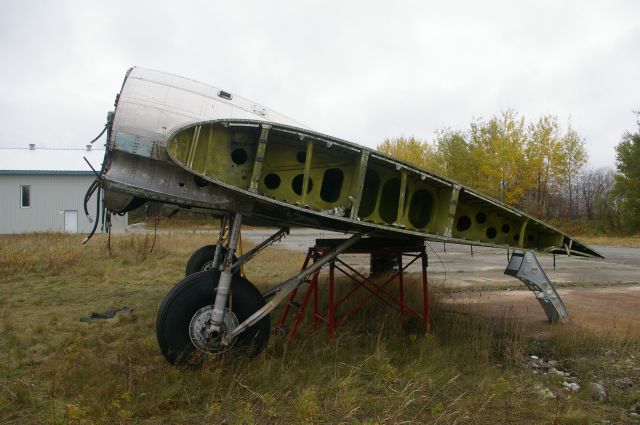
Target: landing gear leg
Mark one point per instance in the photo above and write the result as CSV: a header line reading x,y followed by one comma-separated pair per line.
x,y
224,285
200,312
218,255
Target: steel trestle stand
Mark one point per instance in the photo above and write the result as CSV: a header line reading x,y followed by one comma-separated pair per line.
x,y
375,285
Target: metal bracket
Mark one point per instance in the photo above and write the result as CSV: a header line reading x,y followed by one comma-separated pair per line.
x,y
524,265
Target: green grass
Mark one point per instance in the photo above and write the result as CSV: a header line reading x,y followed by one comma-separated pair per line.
x,y
378,369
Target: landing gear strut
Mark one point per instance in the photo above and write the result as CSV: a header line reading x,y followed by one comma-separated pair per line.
x,y
218,311
200,312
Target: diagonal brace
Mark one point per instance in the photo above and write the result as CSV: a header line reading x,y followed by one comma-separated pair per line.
x,y
285,288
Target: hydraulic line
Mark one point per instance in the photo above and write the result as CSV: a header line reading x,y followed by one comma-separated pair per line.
x,y
101,133
95,224
87,196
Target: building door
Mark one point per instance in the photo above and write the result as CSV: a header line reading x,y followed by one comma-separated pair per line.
x,y
71,221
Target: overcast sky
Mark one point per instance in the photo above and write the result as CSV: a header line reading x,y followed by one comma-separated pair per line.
x,y
361,71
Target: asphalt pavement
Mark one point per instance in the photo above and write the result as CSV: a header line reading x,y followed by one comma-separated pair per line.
x,y
458,266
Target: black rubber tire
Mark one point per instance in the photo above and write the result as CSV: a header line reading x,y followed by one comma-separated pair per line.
x,y
201,257
197,291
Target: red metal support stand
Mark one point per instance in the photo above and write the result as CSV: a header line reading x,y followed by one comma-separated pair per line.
x,y
292,297
373,284
425,292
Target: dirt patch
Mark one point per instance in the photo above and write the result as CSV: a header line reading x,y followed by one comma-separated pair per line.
x,y
611,309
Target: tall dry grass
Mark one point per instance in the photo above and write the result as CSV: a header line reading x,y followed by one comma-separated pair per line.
x,y
378,369
626,241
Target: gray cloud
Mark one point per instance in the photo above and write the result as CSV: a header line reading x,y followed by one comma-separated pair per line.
x,y
357,70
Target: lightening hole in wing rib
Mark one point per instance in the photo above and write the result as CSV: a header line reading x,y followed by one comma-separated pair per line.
x,y
272,181
420,208
239,156
389,200
369,193
464,223
296,184
331,185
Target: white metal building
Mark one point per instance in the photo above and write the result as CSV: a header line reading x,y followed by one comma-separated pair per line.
x,y
42,190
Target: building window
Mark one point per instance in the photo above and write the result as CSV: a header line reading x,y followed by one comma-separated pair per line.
x,y
25,196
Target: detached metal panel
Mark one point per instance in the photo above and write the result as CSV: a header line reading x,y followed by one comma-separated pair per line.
x,y
50,196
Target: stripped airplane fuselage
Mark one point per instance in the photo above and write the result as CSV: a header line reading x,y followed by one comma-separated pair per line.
x,y
180,142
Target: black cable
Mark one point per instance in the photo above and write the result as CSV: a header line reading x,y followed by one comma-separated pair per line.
x,y
95,224
101,133
92,169
87,196
155,232
92,188
103,214
109,233
444,268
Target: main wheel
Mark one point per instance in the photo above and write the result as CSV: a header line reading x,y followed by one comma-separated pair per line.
x,y
185,314
202,259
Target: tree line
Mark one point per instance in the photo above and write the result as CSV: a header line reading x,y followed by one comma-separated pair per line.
x,y
537,166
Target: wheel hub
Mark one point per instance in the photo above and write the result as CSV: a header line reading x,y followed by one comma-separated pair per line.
x,y
202,338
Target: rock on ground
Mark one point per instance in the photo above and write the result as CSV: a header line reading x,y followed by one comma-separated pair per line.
x,y
598,392
623,383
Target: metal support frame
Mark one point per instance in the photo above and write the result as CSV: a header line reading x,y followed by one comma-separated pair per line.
x,y
372,284
257,166
262,245
281,291
307,171
524,265
401,200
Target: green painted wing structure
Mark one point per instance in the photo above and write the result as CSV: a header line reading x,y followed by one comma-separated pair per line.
x,y
298,176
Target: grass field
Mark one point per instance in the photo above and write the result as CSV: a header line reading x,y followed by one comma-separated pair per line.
x,y
626,241
56,369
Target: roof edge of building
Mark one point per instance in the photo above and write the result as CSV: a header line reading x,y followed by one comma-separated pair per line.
x,y
40,172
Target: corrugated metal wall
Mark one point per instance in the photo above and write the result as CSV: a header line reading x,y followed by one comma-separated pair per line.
x,y
51,195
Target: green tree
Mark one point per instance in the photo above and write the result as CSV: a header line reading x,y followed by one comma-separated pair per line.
x,y
412,150
498,147
533,166
628,178
545,156
455,156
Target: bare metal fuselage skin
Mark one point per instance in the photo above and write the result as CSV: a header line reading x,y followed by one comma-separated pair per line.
x,y
149,107
180,142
